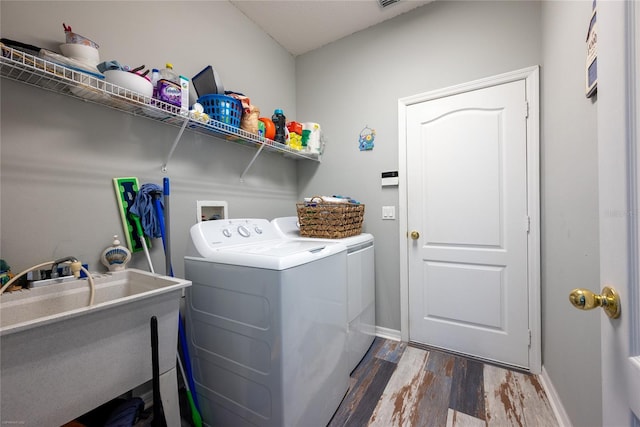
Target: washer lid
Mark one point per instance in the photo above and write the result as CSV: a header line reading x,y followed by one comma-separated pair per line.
x,y
289,227
279,254
276,248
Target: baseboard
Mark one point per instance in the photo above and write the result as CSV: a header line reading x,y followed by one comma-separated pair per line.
x,y
554,399
390,334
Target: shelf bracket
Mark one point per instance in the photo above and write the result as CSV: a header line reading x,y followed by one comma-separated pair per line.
x,y
255,156
175,144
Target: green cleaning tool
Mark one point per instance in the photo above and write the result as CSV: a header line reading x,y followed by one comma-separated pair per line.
x,y
136,220
195,415
126,190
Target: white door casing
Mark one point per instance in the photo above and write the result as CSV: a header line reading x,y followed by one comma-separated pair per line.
x,y
479,306
619,203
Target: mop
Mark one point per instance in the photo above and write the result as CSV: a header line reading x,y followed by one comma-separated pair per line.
x,y
142,213
148,212
162,214
143,208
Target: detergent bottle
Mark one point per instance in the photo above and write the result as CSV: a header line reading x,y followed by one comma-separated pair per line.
x,y
167,73
168,86
279,121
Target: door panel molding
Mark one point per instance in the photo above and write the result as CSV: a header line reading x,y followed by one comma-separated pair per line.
x,y
530,76
619,201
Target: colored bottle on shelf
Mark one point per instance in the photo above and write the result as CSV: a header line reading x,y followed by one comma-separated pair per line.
x,y
168,87
184,95
279,120
295,135
167,73
155,76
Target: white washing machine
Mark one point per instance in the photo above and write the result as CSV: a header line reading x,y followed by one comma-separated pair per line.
x,y
361,294
266,325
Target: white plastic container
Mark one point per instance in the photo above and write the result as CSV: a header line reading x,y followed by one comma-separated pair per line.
x,y
83,53
313,144
184,95
167,73
130,81
155,76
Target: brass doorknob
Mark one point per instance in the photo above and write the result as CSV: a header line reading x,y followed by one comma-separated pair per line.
x,y
415,235
584,299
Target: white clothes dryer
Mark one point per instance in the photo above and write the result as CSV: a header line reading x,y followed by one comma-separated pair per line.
x,y
361,293
266,325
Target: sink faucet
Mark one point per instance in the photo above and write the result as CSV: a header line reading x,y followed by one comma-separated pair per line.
x,y
75,266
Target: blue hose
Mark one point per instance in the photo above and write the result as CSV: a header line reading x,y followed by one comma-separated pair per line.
x,y
187,362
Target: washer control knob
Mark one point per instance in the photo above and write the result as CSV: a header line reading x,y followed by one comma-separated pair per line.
x,y
226,232
258,230
244,231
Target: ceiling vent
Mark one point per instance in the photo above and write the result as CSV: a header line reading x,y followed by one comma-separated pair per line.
x,y
385,3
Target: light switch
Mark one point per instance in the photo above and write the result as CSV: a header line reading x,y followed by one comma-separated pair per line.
x,y
388,212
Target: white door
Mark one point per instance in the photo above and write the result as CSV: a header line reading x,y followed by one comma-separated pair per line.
x,y
619,200
468,221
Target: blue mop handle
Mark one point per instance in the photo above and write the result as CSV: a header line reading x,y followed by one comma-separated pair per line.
x,y
160,216
167,228
163,219
187,362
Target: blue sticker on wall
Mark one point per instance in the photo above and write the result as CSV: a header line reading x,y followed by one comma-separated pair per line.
x,y
367,136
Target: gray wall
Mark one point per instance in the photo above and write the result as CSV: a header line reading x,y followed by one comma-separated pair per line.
x,y
59,154
356,82
570,244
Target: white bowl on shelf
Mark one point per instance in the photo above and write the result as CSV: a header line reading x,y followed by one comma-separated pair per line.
x,y
131,81
87,54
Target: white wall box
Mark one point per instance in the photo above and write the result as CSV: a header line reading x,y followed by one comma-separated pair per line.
x,y
208,210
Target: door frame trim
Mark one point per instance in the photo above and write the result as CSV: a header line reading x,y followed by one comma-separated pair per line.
x,y
532,82
619,144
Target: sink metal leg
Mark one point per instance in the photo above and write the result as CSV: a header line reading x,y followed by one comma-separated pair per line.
x,y
169,397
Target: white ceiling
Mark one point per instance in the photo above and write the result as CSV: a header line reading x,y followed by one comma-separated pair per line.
x,y
303,25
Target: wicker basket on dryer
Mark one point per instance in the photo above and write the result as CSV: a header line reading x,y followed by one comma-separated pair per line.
x,y
329,220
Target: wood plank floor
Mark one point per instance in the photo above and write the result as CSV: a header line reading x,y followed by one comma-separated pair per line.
x,y
400,385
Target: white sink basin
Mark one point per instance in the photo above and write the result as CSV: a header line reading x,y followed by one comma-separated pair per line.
x,y
52,303
61,358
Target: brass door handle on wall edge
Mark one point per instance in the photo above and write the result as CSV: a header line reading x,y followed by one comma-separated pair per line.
x,y
584,299
414,235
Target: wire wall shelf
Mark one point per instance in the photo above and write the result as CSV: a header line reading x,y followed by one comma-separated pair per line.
x,y
89,87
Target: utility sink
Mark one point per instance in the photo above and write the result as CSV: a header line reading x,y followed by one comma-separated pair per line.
x,y
60,358
52,303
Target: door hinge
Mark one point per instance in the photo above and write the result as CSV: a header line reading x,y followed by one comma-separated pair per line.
x,y
529,337
526,110
527,224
